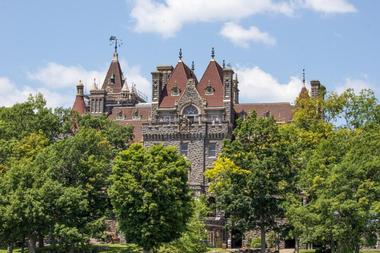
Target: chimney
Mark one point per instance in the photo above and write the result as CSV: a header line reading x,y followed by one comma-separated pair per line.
x,y
315,88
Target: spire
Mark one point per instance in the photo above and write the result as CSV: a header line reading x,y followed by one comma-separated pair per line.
x,y
125,87
117,43
180,55
224,64
94,85
192,66
212,54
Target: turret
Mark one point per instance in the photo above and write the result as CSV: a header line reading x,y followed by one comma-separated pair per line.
x,y
79,104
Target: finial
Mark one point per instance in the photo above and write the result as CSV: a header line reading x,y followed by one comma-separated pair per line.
x,y
114,40
224,63
94,86
212,53
236,77
303,77
180,54
192,66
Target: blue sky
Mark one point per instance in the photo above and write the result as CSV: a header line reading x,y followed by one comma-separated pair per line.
x,y
48,46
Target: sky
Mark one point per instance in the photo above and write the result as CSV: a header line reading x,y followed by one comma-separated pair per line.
x,y
48,46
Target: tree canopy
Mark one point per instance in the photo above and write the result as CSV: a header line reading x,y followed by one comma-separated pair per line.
x,y
150,195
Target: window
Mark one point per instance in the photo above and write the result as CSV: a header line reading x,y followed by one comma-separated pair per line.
x,y
184,148
209,89
120,115
212,150
166,118
136,116
190,112
214,118
175,91
112,79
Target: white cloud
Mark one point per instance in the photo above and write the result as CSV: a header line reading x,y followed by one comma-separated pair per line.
x,y
329,6
243,37
356,84
257,85
166,17
12,94
60,76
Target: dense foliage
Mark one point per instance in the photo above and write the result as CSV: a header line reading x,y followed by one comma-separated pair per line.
x,y
316,179
150,195
54,168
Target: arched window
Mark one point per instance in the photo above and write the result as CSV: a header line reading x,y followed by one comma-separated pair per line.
x,y
190,112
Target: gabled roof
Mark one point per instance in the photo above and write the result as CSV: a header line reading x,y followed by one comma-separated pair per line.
x,y
114,71
282,112
213,76
79,105
178,78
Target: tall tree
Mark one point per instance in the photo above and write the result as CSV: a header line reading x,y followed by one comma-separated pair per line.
x,y
150,194
251,178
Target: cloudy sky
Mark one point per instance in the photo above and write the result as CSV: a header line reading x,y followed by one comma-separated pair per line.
x,y
48,46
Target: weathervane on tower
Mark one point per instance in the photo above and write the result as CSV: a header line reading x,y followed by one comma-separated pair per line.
x,y
303,77
116,42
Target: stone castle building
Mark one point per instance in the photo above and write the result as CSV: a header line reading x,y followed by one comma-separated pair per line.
x,y
195,115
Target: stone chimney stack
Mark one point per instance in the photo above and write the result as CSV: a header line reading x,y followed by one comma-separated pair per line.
x,y
315,88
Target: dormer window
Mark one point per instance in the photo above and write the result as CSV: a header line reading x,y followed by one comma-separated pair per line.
x,y
136,116
209,89
112,79
120,116
267,114
175,91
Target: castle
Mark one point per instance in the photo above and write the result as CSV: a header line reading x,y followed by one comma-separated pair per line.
x,y
193,115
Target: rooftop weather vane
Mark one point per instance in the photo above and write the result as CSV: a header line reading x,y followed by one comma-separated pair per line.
x,y
303,77
116,42
180,54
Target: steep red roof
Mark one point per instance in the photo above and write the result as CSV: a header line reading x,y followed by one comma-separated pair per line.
x,y
114,72
79,105
213,77
178,78
282,112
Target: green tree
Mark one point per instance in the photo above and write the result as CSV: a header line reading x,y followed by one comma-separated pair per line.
x,y
29,117
150,195
251,178
193,239
354,110
82,161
